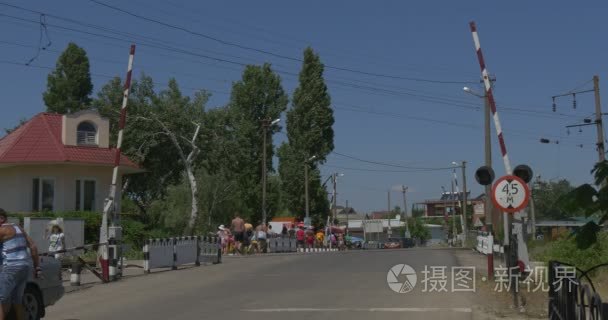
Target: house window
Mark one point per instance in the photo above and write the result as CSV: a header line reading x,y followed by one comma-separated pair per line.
x,y
43,195
86,134
85,195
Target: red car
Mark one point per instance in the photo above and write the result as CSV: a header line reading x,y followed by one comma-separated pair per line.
x,y
392,243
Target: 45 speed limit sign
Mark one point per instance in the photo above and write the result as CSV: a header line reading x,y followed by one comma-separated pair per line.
x,y
510,194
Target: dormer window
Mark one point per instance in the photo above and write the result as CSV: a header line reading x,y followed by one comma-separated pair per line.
x,y
86,134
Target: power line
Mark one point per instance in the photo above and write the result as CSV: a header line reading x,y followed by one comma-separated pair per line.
x,y
107,76
374,90
389,164
289,40
240,46
371,89
389,171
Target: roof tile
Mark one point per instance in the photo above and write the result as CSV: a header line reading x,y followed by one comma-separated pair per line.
x,y
39,141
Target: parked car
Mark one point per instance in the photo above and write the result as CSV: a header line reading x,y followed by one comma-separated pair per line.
x,y
44,291
354,242
393,243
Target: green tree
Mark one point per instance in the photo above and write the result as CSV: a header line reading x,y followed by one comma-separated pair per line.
x,y
310,133
257,96
546,196
69,86
417,212
592,200
396,211
418,229
158,135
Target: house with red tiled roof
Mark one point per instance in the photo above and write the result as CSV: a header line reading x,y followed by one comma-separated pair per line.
x,y
58,162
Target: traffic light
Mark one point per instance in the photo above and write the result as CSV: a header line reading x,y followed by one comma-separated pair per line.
x,y
484,176
524,172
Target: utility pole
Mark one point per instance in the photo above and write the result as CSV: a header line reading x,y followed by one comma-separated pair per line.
x,y
407,228
389,231
464,203
306,219
335,177
454,231
598,119
488,213
265,125
346,212
487,206
306,164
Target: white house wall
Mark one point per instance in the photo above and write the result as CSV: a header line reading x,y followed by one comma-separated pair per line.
x,y
9,190
16,185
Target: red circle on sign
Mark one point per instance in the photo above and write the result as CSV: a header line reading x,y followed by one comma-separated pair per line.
x,y
526,190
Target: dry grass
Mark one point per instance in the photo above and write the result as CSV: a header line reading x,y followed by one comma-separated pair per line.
x,y
533,305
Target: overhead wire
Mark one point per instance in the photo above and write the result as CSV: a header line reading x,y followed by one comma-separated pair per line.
x,y
453,102
293,40
267,52
107,76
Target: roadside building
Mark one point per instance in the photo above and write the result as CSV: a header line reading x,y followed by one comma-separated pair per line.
x,y
59,162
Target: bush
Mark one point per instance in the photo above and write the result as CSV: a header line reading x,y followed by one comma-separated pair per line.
x,y
566,250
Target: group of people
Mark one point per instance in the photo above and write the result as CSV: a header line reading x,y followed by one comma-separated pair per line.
x,y
308,238
19,259
242,238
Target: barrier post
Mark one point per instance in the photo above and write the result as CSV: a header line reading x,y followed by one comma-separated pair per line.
x,y
216,242
174,242
75,275
105,272
197,262
112,252
147,256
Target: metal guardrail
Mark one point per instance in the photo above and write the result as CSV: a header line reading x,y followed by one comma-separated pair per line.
x,y
570,298
173,252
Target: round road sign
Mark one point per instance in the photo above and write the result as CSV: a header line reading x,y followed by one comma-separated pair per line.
x,y
510,194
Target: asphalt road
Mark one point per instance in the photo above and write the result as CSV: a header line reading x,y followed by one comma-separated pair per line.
x,y
351,285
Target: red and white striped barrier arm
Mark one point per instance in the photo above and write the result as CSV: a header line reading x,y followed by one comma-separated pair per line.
x,y
490,95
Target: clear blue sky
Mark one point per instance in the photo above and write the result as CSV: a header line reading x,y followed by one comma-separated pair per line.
x,y
535,50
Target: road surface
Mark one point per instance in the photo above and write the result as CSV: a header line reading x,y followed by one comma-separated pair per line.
x,y
350,285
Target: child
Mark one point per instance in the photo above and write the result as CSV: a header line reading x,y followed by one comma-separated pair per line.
x,y
56,241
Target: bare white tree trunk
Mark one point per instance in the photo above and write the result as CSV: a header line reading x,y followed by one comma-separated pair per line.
x,y
188,168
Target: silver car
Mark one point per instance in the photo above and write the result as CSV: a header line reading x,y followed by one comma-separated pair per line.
x,y
44,291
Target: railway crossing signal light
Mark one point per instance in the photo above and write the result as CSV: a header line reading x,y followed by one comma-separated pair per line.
x,y
484,175
524,172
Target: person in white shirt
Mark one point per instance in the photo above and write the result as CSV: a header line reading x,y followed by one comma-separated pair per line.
x,y
56,241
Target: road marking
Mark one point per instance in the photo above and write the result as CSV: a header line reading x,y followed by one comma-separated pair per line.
x,y
461,310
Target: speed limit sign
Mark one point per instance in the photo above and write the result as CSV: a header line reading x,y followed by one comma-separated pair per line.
x,y
510,194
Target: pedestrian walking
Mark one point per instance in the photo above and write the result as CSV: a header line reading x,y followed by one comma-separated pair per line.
x,y
16,266
310,237
238,230
246,247
222,233
300,237
261,235
320,238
